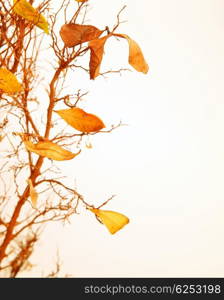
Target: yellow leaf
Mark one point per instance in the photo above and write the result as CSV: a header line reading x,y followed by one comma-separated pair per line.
x,y
80,120
27,11
75,34
81,0
136,58
114,221
8,82
33,193
50,150
97,49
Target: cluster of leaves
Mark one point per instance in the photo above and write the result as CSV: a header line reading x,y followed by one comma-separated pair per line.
x,y
73,36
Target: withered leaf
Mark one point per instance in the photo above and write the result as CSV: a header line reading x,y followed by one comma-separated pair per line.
x,y
24,9
8,82
50,150
114,221
80,120
97,50
136,58
75,34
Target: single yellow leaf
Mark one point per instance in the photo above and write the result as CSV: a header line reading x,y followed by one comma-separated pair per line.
x,y
136,58
27,11
33,193
50,150
8,82
75,34
81,0
80,120
114,221
97,50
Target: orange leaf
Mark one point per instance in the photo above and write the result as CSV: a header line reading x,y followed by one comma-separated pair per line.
x,y
75,34
81,0
96,56
136,58
8,82
50,150
80,120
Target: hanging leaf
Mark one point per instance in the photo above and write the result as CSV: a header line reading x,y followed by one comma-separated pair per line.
x,y
114,221
50,150
80,120
33,193
136,58
75,34
81,0
96,55
8,82
27,11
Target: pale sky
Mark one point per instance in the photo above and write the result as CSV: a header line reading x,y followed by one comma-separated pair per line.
x,y
167,166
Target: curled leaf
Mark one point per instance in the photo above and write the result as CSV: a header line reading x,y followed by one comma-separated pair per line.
x,y
97,50
75,34
24,9
50,150
8,82
80,120
33,193
114,221
136,58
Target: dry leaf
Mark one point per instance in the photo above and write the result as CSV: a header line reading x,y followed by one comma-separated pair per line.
x,y
81,0
96,56
114,221
136,58
27,11
75,34
50,150
33,193
80,120
8,82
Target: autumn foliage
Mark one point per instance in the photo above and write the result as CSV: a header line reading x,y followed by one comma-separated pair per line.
x,y
23,30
